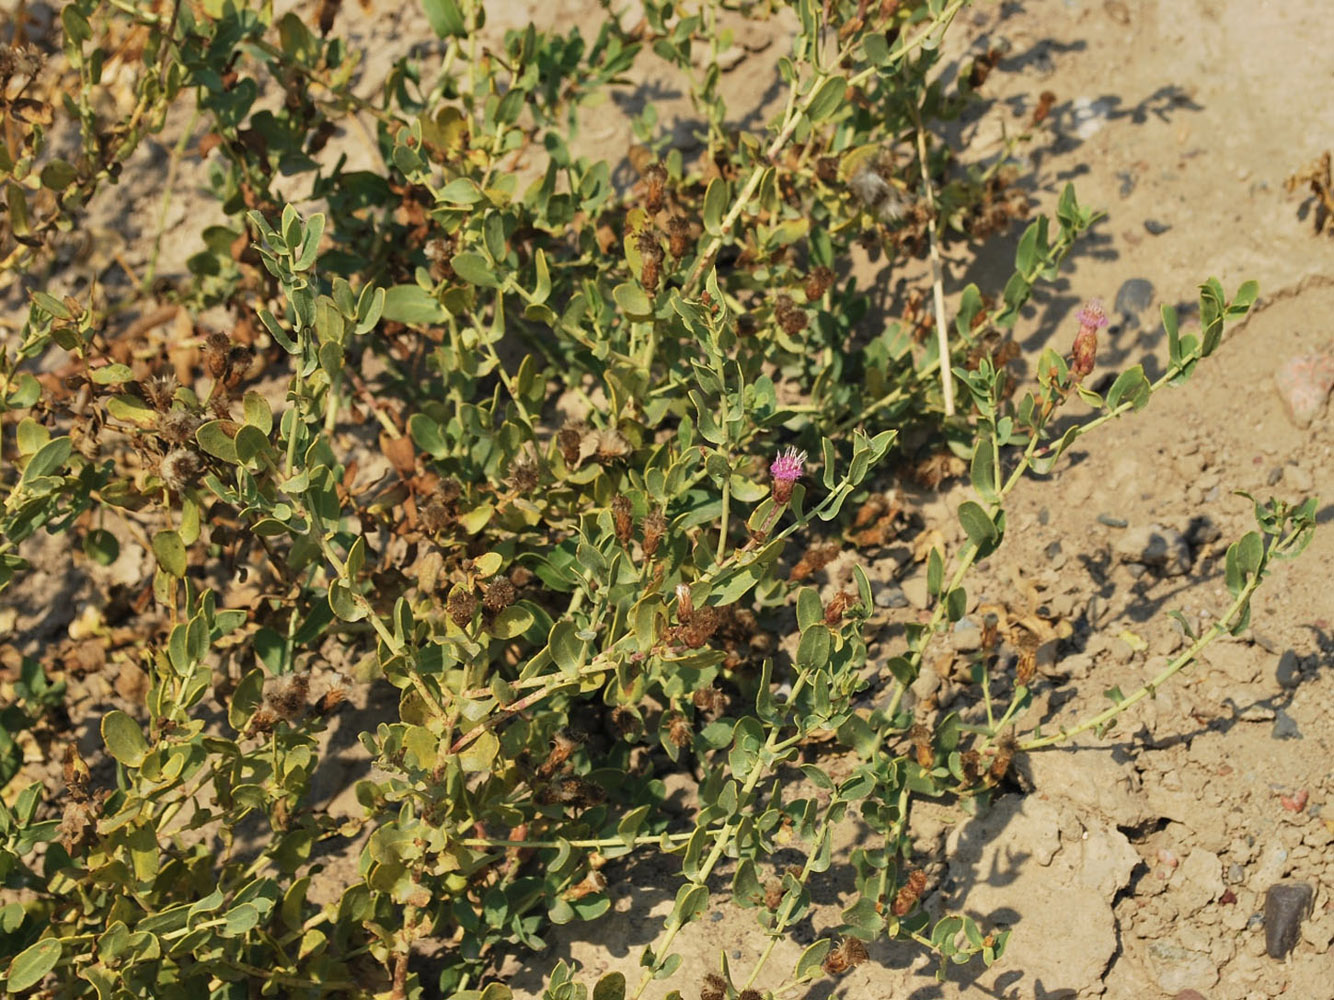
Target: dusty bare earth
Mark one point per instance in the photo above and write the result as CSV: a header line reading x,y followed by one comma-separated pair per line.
x,y
1136,865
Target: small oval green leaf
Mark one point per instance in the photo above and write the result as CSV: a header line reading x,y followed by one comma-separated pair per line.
x,y
32,964
124,739
170,552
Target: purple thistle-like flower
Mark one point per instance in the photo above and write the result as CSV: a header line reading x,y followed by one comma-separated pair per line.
x,y
1092,315
786,469
1091,319
788,465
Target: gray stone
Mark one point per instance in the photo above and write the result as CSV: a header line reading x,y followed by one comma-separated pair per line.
x,y
1155,227
1285,727
1287,904
1133,297
889,595
1288,672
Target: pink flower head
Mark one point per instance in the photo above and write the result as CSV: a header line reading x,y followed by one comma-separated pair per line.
x,y
1092,315
786,469
1091,319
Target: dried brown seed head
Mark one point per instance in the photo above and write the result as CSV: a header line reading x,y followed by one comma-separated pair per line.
x,y
562,745
435,515
910,893
655,524
678,234
461,605
524,476
838,604
710,700
180,469
625,721
622,514
1005,750
159,390
655,180
699,630
714,987
970,762
818,282
849,954
920,735
290,700
685,604
679,730
499,595
217,349
568,440
177,426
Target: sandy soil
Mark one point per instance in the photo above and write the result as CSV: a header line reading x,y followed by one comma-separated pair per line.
x,y
1136,865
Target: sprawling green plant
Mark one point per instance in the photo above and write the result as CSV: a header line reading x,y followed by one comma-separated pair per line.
x,y
570,608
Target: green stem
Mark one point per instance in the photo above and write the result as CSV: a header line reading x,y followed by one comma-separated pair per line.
x,y
772,748
1102,718
722,527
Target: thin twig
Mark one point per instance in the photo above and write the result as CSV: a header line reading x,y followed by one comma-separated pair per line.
x,y
937,281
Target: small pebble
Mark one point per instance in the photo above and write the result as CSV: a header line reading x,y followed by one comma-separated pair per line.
x,y
1155,227
1287,904
1236,874
1304,383
1285,727
890,596
1112,522
1127,179
1133,297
